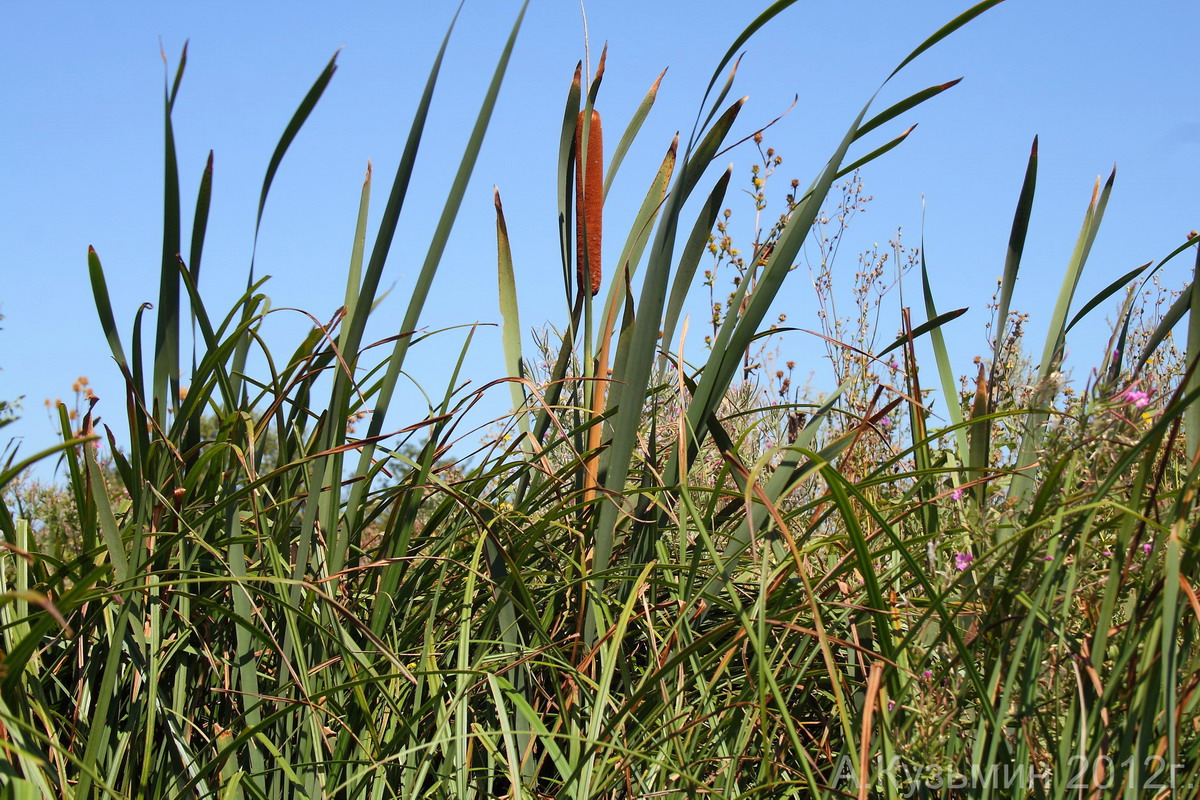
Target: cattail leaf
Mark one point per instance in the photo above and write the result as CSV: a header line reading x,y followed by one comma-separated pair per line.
x,y
1024,484
925,327
354,273
425,277
390,218
1191,418
566,181
1151,342
12,470
199,228
738,330
945,372
874,154
636,367
631,132
108,322
620,292
511,327
693,249
594,87
1016,246
907,104
944,31
697,161
1170,319
166,340
717,104
642,228
289,134
200,219
173,92
1105,293
445,223
979,456
213,346
755,25
1052,352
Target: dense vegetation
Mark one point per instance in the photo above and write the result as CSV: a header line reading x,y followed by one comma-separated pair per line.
x,y
660,578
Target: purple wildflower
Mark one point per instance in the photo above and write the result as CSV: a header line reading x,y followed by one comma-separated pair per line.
x,y
957,494
962,561
1135,398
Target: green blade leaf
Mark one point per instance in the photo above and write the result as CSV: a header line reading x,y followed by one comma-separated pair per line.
x,y
1105,293
924,328
908,103
631,131
693,249
1016,246
511,328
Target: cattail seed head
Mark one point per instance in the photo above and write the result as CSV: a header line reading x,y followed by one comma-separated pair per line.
x,y
589,202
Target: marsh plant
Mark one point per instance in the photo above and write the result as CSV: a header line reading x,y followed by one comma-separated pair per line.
x,y
670,571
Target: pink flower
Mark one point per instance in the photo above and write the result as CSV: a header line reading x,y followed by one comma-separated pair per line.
x,y
1147,547
962,561
957,494
928,674
1136,398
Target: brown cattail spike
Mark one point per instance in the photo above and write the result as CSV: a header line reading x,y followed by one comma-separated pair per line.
x,y
589,202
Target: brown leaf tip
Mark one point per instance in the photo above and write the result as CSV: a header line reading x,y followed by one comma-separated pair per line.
x,y
658,82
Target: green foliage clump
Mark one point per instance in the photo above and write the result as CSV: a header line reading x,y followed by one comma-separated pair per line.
x,y
659,578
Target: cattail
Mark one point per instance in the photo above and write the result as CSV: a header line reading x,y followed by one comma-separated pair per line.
x,y
589,202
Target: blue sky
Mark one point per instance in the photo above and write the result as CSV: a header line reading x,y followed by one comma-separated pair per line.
x,y
81,162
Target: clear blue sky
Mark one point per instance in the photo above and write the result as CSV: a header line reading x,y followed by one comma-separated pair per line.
x,y
81,151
